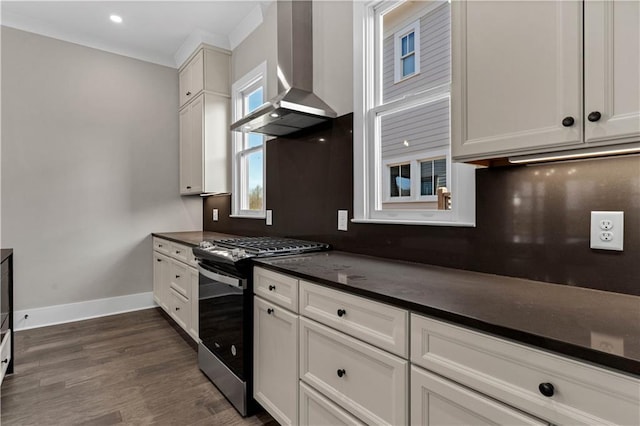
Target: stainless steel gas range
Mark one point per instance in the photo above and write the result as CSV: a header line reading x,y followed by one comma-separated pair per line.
x,y
225,353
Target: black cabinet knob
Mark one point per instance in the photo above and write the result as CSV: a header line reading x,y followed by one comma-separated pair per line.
x,y
269,311
341,312
188,93
594,116
341,372
568,121
546,389
177,251
158,260
188,187
272,287
177,309
5,361
177,276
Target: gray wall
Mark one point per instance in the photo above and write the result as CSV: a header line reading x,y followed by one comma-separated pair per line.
x,y
89,169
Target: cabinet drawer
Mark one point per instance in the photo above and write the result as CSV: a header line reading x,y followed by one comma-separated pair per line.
x,y
376,323
277,288
179,309
5,354
315,410
363,379
512,373
180,252
180,279
163,246
437,401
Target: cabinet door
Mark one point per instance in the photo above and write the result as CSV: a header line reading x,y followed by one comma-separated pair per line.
x,y
275,361
196,122
438,401
185,150
196,68
193,278
161,269
517,74
183,83
612,70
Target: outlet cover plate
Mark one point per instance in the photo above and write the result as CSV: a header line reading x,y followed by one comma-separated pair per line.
x,y
269,217
215,215
343,220
607,230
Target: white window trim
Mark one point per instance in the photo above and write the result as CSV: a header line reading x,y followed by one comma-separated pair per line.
x,y
397,51
414,160
366,175
255,77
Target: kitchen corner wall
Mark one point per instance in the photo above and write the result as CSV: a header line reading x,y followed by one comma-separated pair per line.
x,y
89,169
532,221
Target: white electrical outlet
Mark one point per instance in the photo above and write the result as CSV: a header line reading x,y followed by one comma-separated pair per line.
x,y
269,217
215,215
607,230
343,220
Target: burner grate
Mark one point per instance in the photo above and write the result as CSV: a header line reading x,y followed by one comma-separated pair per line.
x,y
271,245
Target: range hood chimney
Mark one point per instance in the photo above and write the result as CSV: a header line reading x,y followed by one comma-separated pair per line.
x,y
295,107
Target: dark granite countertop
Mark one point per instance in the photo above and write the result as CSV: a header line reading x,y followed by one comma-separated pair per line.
x,y
560,318
192,238
5,253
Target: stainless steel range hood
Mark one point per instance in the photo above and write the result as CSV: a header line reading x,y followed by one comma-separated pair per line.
x,y
296,107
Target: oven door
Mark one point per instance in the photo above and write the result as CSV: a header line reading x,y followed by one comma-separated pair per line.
x,y
222,317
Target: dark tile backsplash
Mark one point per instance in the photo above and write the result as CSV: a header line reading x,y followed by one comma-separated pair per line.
x,y
531,221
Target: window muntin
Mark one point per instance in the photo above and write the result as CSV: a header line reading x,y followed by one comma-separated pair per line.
x,y
248,199
413,102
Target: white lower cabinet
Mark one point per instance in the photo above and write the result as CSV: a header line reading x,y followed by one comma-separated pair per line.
x,y
275,355
368,382
437,401
175,283
5,354
316,410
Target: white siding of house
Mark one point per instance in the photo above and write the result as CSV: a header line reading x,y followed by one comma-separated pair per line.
x,y
435,56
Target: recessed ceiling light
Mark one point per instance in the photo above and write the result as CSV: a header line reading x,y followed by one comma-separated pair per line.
x,y
116,18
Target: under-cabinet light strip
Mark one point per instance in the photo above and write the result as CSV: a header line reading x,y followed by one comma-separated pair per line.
x,y
576,154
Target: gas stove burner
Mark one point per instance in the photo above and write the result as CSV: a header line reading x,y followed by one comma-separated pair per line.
x,y
234,250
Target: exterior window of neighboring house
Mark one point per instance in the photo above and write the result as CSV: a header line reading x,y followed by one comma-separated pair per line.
x,y
407,52
248,196
402,156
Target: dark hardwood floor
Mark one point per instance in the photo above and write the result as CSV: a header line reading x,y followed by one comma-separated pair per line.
x,y
131,368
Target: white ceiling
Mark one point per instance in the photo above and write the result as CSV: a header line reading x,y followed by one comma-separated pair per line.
x,y
163,32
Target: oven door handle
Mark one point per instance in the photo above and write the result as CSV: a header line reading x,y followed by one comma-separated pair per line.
x,y
235,282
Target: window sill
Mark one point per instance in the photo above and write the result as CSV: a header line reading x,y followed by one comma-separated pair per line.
x,y
261,216
415,222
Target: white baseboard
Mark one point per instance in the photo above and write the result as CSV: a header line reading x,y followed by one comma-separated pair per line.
x,y
60,314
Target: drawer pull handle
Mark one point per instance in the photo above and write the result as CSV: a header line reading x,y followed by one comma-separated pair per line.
x,y
177,308
341,372
546,389
342,312
177,251
177,276
5,361
594,116
160,245
568,121
269,311
272,287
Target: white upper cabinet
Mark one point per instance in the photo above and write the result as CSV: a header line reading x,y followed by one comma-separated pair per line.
x,y
518,76
207,69
204,123
612,71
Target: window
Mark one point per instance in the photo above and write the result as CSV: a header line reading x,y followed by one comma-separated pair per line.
x,y
248,166
402,146
407,52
